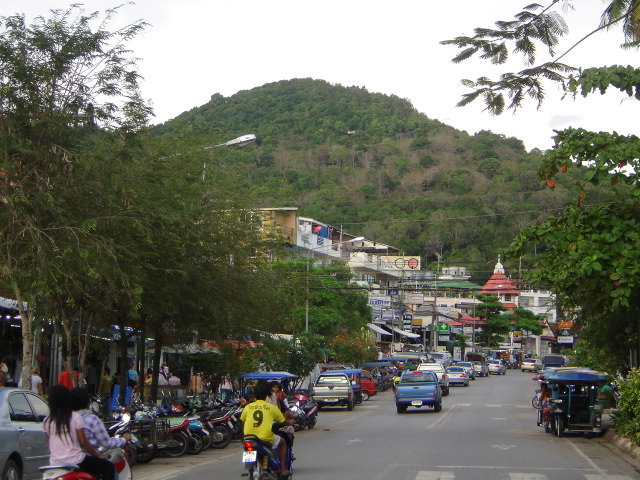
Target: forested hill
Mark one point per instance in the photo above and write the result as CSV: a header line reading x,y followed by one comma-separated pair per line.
x,y
375,166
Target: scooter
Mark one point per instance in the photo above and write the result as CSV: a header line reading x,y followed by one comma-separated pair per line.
x,y
307,412
73,472
261,461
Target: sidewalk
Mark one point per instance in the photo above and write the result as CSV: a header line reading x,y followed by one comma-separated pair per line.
x,y
623,446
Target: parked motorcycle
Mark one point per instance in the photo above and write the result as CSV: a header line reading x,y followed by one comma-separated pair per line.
x,y
307,411
73,472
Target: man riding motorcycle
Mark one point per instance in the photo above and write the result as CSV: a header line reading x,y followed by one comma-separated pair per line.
x,y
258,418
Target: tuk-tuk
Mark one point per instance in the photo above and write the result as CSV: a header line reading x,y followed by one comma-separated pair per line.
x,y
576,403
248,380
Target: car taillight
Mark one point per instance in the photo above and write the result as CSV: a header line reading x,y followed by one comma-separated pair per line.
x,y
249,445
444,377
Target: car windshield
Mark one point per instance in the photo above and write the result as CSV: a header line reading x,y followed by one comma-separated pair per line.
x,y
418,378
332,380
434,366
494,362
455,369
465,364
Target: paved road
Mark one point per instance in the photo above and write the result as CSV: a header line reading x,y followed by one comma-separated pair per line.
x,y
485,431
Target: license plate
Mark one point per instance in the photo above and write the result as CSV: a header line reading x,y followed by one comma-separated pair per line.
x,y
330,399
248,457
416,403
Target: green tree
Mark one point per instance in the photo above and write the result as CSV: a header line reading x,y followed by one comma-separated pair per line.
x,y
62,82
587,253
495,323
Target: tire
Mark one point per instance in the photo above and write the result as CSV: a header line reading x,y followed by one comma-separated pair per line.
x,y
11,471
312,423
131,452
220,436
146,453
350,404
180,444
445,392
535,402
365,395
558,425
195,444
204,437
401,408
256,473
437,407
380,386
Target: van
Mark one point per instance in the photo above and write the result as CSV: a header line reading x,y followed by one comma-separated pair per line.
x,y
442,357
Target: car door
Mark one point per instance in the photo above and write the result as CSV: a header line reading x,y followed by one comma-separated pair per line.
x,y
26,412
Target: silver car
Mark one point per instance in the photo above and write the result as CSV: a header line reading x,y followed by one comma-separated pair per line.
x,y
458,375
23,444
497,366
468,366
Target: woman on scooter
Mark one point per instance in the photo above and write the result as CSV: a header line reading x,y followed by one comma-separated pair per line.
x,y
67,442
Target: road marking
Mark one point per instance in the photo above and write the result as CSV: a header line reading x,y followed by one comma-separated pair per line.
x,y
527,476
434,475
504,447
594,466
443,418
607,477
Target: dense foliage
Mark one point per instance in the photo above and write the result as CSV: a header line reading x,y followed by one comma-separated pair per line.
x,y
373,165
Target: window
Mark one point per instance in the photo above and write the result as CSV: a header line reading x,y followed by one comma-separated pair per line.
x,y
19,408
40,407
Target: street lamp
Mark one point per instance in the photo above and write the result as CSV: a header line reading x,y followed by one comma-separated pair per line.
x,y
311,250
239,142
434,316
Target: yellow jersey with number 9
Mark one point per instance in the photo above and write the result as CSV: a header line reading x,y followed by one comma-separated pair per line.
x,y
258,418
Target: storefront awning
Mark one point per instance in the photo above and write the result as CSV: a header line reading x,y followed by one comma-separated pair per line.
x,y
405,333
377,329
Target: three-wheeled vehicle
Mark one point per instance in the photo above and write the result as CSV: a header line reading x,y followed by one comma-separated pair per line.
x,y
576,403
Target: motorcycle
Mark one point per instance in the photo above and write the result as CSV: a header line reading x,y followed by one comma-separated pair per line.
x,y
307,413
73,472
261,461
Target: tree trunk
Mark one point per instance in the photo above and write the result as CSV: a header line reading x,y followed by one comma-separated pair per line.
x,y
26,319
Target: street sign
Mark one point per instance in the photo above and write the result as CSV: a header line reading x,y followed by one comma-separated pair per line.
x,y
443,329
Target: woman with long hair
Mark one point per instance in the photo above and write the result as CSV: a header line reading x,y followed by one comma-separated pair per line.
x,y
67,443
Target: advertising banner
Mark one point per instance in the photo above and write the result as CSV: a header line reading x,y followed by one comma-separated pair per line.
x,y
399,263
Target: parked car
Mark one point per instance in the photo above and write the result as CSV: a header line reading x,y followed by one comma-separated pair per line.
x,y
334,389
417,389
23,444
440,371
553,361
497,367
468,366
458,375
531,365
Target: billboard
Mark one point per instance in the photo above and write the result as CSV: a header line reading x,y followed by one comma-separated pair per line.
x,y
399,263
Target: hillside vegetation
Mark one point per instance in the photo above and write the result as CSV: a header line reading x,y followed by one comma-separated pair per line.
x,y
375,166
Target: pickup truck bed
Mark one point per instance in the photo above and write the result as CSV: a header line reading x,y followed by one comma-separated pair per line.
x,y
417,389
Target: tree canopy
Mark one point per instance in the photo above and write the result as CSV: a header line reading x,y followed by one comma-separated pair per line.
x,y
586,253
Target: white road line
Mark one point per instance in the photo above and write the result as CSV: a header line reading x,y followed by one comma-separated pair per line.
x,y
527,476
434,475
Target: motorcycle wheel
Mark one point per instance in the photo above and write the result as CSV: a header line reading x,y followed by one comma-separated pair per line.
x,y
206,440
220,436
131,452
365,395
312,423
179,445
195,444
146,453
298,424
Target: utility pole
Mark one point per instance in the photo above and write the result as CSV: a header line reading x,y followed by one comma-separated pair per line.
x,y
434,316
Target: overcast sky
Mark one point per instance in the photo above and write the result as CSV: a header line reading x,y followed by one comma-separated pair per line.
x,y
193,49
